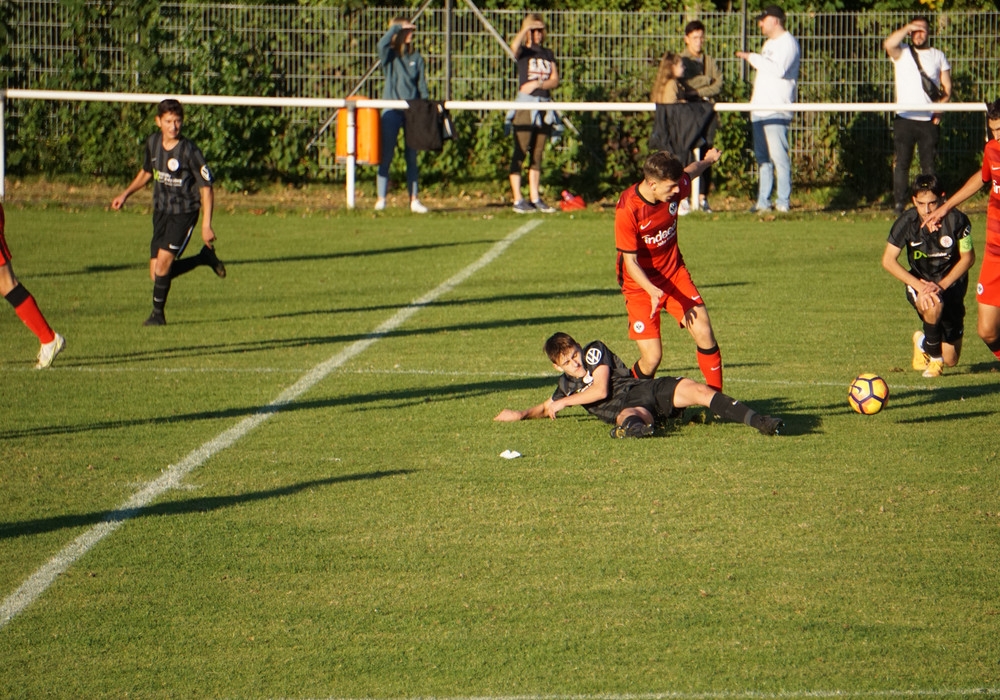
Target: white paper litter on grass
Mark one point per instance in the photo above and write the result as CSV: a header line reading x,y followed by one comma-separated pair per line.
x,y
510,454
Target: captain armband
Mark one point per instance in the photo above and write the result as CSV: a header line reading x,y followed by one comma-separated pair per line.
x,y
965,244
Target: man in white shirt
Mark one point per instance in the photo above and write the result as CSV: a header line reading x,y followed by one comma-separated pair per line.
x,y
920,129
776,82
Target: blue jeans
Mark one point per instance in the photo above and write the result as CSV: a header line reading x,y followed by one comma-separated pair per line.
x,y
391,123
770,148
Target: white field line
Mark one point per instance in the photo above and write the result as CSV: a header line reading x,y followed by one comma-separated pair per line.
x,y
735,695
38,582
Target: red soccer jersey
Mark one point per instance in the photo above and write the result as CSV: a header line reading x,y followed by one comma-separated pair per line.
x,y
649,230
991,174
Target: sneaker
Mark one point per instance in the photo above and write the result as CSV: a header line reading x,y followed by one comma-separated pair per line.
x,y
155,319
920,358
705,208
935,367
756,209
684,208
379,205
769,425
47,353
416,207
523,206
634,429
781,208
541,206
213,261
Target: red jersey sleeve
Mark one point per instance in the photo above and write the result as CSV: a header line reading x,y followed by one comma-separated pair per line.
x,y
626,224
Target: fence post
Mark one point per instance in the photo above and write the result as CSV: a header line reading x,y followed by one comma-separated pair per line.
x,y
352,148
3,141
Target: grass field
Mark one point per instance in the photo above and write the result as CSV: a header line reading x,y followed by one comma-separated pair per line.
x,y
326,513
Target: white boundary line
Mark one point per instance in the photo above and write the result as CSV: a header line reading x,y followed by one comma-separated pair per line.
x,y
39,582
733,695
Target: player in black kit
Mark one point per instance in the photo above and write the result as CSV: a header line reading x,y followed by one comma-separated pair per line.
x,y
597,379
938,276
182,187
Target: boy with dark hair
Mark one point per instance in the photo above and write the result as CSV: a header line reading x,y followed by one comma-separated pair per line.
x,y
25,307
597,379
988,288
182,187
650,267
938,277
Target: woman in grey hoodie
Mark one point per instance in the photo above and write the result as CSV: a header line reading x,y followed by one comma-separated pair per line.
x,y
405,79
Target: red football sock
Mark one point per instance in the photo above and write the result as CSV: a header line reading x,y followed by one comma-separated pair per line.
x,y
28,312
710,364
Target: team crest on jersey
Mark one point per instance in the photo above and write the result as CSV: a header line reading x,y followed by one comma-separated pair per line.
x,y
638,326
979,289
673,208
946,241
593,356
173,164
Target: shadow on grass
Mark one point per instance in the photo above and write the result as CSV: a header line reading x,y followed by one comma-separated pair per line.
x,y
191,505
158,355
795,423
144,265
933,395
580,294
392,399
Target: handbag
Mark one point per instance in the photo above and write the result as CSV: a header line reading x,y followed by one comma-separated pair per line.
x,y
933,91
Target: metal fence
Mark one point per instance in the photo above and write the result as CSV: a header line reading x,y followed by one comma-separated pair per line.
x,y
603,56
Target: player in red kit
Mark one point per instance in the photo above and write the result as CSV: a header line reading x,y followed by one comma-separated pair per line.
x,y
988,288
651,271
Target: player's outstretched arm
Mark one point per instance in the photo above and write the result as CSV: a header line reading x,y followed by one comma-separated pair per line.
x,y
512,415
971,186
140,181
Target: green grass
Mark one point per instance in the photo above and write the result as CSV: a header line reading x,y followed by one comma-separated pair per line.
x,y
367,540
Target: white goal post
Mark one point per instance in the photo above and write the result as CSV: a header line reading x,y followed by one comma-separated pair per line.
x,y
352,105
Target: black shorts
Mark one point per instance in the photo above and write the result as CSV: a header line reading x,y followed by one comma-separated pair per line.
x,y
655,395
953,317
171,232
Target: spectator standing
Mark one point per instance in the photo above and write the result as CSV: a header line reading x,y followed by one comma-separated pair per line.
x,y
704,79
405,79
776,82
26,308
668,88
537,76
915,129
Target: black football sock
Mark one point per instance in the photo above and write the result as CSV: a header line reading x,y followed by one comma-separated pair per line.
x,y
161,288
932,340
732,411
179,267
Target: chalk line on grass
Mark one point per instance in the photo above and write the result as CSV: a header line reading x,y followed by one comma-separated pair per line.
x,y
39,582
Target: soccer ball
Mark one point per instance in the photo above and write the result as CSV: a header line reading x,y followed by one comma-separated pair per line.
x,y
868,394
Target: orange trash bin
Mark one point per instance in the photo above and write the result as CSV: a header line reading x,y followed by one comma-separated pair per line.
x,y
367,145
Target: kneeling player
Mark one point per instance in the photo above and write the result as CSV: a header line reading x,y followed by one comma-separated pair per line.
x,y
597,379
938,276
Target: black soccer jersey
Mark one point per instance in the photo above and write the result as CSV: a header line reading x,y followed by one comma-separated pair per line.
x,y
932,255
178,175
596,354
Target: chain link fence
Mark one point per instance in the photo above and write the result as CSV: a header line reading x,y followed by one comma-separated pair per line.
x,y
603,56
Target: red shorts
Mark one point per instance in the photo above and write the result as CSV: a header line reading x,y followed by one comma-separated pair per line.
x,y
988,289
680,297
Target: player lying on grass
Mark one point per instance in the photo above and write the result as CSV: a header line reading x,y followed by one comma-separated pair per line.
x,y
938,274
597,379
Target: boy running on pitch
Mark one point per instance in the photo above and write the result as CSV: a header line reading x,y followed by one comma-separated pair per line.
x,y
182,187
